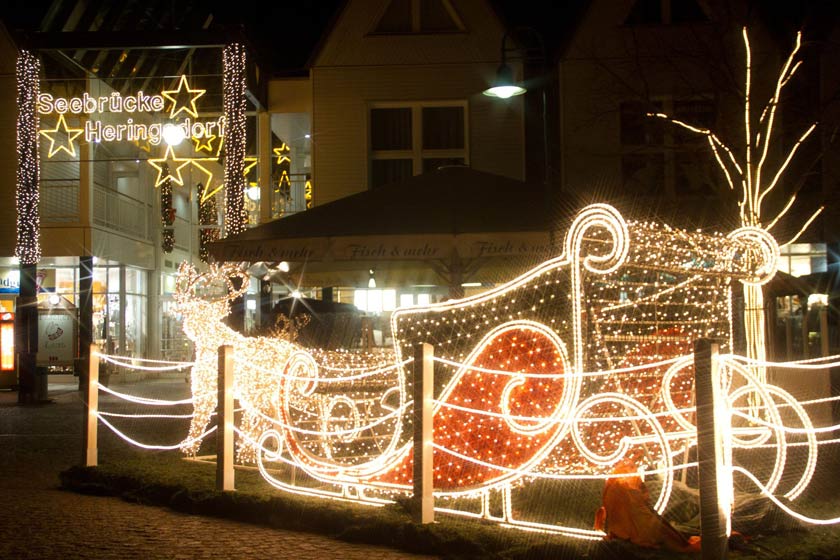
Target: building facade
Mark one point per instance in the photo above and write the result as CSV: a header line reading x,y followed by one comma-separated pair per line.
x,y
392,90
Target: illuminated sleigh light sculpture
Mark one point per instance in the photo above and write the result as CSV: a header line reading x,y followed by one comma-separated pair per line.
x,y
514,401
339,425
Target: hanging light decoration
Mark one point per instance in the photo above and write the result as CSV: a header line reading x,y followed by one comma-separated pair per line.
x,y
207,216
28,247
167,213
233,91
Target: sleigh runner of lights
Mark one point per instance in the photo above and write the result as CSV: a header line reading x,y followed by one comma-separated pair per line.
x,y
577,366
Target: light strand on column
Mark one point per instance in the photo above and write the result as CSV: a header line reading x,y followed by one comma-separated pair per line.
x,y
167,213
207,216
28,247
233,92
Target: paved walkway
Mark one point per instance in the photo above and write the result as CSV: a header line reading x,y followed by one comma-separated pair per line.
x,y
39,521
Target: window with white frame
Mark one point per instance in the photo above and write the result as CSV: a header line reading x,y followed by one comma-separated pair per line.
x,y
799,259
412,138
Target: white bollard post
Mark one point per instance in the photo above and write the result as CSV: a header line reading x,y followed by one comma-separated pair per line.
x,y
91,453
224,418
714,496
423,450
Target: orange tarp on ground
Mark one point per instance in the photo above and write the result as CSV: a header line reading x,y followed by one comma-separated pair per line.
x,y
627,514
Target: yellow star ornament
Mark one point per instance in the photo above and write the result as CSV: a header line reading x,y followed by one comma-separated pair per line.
x,y
209,193
281,153
62,130
205,143
249,164
183,91
173,162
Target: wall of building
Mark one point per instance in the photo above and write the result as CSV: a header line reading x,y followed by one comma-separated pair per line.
x,y
609,62
8,154
342,98
357,67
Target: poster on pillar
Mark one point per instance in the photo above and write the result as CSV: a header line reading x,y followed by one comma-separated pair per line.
x,y
57,337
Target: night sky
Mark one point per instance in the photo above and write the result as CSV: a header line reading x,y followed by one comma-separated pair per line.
x,y
287,32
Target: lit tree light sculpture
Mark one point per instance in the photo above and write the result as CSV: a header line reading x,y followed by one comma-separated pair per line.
x,y
749,175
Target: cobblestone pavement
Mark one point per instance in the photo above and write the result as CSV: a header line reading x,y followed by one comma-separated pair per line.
x,y
39,521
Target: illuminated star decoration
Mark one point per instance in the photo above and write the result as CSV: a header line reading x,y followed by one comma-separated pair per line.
x,y
63,130
250,162
204,143
284,181
208,177
173,162
182,92
281,153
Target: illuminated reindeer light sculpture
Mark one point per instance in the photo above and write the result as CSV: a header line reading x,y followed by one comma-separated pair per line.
x,y
204,299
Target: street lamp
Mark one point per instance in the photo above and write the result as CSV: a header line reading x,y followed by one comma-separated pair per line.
x,y
505,86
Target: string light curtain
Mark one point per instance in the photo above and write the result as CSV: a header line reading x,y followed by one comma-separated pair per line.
x,y
28,247
233,91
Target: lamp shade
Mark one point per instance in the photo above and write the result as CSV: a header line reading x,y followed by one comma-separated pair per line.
x,y
504,85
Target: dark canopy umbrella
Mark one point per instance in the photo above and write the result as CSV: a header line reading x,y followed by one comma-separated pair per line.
x,y
455,220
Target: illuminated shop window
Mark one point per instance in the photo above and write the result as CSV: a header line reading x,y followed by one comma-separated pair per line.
x,y
799,259
375,301
291,163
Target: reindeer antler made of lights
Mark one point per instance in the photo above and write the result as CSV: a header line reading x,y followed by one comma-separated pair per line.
x,y
190,283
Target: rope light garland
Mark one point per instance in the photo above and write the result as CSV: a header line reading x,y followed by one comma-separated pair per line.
x,y
265,454
133,441
28,247
233,92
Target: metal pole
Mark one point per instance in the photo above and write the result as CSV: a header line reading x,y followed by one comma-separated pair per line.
x,y
714,506
824,346
789,337
91,408
26,334
85,319
224,417
423,451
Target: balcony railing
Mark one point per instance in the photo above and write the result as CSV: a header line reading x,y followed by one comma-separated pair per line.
x,y
121,213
